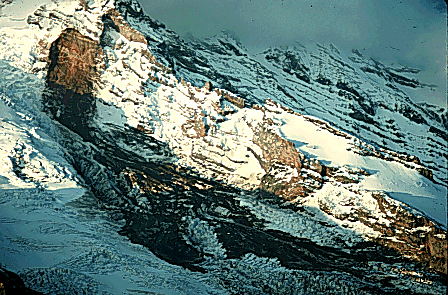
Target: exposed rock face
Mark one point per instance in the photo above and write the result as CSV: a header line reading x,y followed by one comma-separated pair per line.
x,y
208,86
113,21
278,154
415,237
36,18
276,149
425,172
293,64
239,102
124,28
412,236
74,60
84,5
4,3
194,128
73,72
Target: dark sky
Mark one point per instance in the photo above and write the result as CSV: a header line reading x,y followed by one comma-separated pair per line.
x,y
407,32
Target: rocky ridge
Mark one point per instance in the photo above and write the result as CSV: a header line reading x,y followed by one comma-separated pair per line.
x,y
369,100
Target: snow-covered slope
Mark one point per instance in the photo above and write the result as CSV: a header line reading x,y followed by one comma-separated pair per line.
x,y
235,187
356,94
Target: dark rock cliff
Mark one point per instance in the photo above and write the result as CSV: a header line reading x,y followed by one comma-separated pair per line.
x,y
73,72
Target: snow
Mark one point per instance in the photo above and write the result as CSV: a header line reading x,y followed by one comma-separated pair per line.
x,y
54,246
237,126
50,232
307,225
402,183
110,113
252,170
259,76
15,14
58,238
32,159
166,108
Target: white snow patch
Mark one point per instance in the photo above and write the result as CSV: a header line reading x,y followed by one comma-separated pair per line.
x,y
402,183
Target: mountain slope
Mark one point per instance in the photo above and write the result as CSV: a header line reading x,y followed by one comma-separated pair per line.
x,y
108,143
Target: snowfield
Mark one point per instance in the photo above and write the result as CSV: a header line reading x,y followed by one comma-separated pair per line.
x,y
402,183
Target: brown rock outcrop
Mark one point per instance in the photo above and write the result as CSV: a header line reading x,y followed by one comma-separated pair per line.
x,y
73,74
124,28
197,124
276,149
278,152
288,190
239,102
74,60
84,5
412,236
425,172
208,86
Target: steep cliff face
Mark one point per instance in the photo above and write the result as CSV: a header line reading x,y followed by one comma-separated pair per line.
x,y
74,62
248,197
74,66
